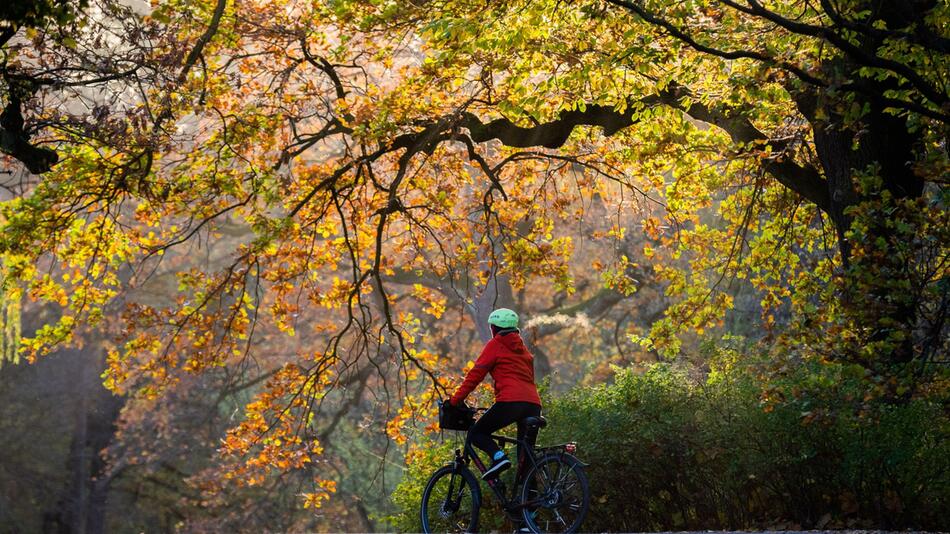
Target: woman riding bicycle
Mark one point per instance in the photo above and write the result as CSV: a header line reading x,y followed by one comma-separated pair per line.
x,y
516,396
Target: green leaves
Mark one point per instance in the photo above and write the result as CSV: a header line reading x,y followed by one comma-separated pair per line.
x,y
36,13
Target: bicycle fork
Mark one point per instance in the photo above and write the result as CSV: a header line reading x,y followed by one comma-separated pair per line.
x,y
453,498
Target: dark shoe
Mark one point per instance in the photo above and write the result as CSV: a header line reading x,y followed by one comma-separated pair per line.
x,y
496,467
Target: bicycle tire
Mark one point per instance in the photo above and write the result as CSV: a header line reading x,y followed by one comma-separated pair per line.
x,y
558,482
460,516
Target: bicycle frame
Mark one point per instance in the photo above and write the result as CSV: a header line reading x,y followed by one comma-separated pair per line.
x,y
511,504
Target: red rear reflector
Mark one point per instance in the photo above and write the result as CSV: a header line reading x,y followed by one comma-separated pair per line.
x,y
571,447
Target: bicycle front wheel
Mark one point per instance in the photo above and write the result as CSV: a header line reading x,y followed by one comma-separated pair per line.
x,y
450,501
555,494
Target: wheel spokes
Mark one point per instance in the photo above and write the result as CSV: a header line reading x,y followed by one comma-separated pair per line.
x,y
557,497
449,507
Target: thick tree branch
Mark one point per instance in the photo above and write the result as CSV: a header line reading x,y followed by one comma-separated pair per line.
x,y
6,33
325,66
15,142
549,135
806,181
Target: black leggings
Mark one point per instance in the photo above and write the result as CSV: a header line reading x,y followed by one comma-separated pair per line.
x,y
500,415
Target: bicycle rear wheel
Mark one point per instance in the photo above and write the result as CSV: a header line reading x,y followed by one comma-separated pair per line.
x,y
450,501
556,494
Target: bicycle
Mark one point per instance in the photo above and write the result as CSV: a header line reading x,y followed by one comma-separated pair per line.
x,y
554,495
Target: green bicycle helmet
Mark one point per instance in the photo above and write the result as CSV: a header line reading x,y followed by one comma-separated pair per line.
x,y
503,318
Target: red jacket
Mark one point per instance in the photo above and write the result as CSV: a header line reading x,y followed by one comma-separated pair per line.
x,y
511,366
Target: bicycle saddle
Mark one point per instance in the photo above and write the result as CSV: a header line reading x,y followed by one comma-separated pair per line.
x,y
538,421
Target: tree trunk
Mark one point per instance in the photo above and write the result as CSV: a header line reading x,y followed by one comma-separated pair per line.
x,y
498,294
82,506
884,148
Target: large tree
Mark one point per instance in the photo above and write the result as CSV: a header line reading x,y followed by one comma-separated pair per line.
x,y
373,163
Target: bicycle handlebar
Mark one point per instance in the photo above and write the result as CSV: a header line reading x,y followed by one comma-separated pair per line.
x,y
477,409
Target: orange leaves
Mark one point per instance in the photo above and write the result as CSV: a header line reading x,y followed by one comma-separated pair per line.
x,y
327,228
269,440
619,276
47,289
339,293
548,258
425,357
396,425
416,409
435,304
315,500
284,312
116,372
652,227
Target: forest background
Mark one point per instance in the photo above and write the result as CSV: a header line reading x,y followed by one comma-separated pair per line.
x,y
246,244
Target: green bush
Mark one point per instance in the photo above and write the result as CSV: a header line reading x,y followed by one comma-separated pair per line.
x,y
423,460
668,453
